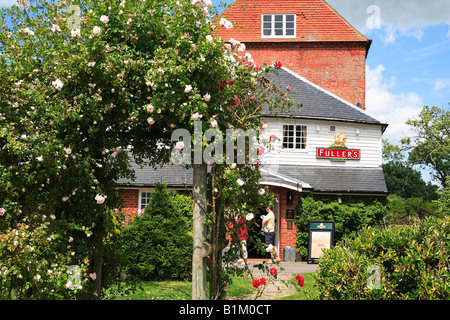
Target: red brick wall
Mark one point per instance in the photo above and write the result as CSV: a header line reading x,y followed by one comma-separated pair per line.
x,y
338,67
130,200
287,236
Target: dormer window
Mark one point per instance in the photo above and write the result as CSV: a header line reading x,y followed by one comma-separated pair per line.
x,y
278,26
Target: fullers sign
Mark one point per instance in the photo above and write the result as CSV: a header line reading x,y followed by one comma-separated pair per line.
x,y
338,154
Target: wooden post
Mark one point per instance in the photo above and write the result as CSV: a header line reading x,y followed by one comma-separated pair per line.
x,y
199,233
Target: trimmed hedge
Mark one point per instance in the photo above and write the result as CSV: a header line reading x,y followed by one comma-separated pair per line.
x,y
349,217
158,245
410,263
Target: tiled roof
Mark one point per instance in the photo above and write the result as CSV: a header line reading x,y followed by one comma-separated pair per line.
x,y
339,180
316,21
311,178
316,102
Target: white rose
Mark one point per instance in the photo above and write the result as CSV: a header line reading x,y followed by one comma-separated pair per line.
x,y
96,30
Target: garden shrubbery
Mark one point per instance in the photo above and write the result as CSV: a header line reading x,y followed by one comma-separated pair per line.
x,y
398,262
349,217
158,244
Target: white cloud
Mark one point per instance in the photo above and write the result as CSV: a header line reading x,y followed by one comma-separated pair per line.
x,y
394,18
441,84
389,107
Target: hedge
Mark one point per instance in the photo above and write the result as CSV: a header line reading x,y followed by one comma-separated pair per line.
x,y
394,263
158,245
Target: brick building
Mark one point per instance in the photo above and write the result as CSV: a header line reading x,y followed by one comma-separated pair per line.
x,y
323,60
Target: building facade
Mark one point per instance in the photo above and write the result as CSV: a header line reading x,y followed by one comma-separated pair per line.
x,y
330,145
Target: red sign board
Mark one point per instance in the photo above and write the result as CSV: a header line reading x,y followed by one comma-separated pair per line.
x,y
338,154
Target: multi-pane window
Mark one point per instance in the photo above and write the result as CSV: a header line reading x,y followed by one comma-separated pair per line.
x,y
278,25
145,199
294,137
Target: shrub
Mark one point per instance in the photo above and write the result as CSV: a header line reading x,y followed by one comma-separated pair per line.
x,y
349,217
158,244
410,263
35,264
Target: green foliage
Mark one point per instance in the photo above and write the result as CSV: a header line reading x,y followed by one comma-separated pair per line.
x,y
349,217
158,245
407,182
34,263
431,144
443,202
401,211
412,263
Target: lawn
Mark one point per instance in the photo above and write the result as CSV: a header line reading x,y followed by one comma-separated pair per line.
x,y
240,287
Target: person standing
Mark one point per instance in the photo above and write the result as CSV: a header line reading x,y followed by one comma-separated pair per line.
x,y
269,222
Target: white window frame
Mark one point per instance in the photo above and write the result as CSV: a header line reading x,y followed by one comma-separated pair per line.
x,y
147,190
272,35
295,125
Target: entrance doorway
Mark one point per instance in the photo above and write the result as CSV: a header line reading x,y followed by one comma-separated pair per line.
x,y
256,236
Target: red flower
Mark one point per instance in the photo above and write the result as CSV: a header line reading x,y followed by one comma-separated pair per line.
x,y
301,280
237,101
278,65
273,271
256,283
262,281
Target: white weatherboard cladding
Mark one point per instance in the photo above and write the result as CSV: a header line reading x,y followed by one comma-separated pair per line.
x,y
367,140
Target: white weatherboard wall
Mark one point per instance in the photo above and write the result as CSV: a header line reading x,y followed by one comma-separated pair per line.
x,y
368,140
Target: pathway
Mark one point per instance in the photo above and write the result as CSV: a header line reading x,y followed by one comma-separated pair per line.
x,y
279,289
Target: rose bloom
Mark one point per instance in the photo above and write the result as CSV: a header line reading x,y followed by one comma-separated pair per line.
x,y
58,84
228,25
55,27
196,116
75,33
150,120
180,144
100,199
104,19
2,211
150,108
273,271
256,283
96,30
188,88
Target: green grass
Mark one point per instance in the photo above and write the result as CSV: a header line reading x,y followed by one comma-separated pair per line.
x,y
308,292
181,290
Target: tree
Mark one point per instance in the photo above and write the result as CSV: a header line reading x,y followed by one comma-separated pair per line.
x,y
82,82
406,182
431,145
